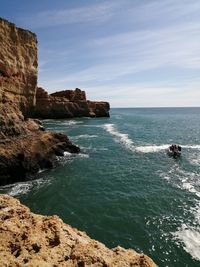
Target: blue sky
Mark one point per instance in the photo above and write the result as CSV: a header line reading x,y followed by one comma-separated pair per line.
x,y
132,53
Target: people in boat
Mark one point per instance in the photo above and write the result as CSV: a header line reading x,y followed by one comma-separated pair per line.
x,y
175,148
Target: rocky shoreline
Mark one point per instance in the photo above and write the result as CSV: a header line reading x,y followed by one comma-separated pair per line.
x,y
28,239
25,146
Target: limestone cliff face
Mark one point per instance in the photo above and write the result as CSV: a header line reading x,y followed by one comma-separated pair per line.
x,y
18,66
68,104
24,145
33,240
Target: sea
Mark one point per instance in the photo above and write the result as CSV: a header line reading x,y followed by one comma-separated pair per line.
x,y
123,188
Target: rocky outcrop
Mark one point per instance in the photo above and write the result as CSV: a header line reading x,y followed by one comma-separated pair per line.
x,y
18,66
24,145
98,109
33,240
68,104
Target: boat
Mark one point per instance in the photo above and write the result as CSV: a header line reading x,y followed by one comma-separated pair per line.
x,y
174,151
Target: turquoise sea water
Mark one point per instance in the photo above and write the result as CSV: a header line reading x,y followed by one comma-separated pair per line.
x,y
123,189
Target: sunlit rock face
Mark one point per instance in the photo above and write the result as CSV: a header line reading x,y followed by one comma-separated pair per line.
x,y
18,66
68,104
28,239
25,147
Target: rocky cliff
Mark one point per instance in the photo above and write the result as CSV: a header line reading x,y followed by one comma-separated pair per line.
x,y
18,66
25,148
33,240
24,145
68,104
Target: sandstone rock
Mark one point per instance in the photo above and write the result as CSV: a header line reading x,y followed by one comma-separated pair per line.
x,y
24,145
33,240
18,66
68,104
71,95
100,109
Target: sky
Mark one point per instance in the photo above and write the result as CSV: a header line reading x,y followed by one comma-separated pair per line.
x,y
132,53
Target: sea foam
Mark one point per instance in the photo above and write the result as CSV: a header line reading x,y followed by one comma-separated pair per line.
x,y
191,240
151,148
122,138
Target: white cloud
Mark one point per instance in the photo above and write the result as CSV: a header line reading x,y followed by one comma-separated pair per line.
x,y
99,12
170,40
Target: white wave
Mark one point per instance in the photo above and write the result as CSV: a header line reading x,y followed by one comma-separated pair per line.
x,y
83,155
21,188
191,146
185,180
151,149
79,155
71,122
66,153
24,187
84,136
189,187
120,137
191,240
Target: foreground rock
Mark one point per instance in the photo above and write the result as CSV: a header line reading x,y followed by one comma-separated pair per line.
x,y
24,145
33,240
68,104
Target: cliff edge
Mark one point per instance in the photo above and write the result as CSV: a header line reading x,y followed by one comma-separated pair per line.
x,y
34,240
25,146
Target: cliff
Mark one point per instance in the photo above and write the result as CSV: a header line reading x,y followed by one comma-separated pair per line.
x,y
25,147
18,66
28,239
33,240
68,104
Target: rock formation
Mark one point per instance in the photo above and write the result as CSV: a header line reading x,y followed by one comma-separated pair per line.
x,y
24,145
68,104
34,240
18,66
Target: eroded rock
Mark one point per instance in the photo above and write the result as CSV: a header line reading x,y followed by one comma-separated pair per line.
x,y
18,66
33,240
68,104
25,146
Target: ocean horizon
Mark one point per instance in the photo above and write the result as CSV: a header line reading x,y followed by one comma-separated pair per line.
x,y
123,188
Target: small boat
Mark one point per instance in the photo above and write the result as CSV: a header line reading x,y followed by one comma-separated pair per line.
x,y
174,151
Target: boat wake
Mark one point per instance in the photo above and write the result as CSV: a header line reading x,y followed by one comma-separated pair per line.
x,y
120,137
125,140
129,144
151,149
